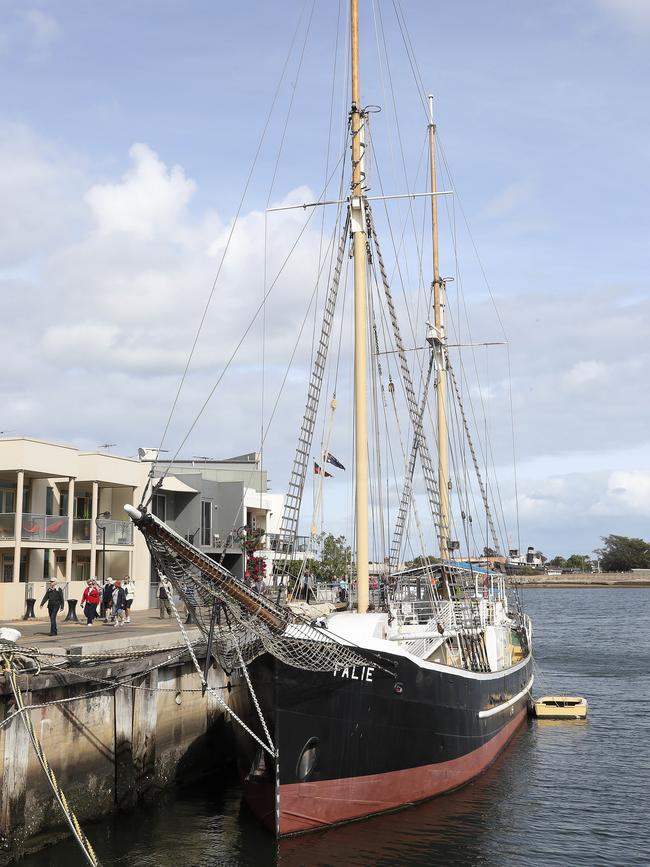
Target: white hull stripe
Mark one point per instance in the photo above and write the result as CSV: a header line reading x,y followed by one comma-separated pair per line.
x,y
501,707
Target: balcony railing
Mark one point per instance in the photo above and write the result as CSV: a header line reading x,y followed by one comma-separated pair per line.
x,y
271,542
117,532
7,521
43,528
81,530
54,528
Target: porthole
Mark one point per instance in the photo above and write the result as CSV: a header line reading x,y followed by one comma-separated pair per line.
x,y
308,760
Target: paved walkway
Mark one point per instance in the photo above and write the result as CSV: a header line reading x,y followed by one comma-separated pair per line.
x,y
145,630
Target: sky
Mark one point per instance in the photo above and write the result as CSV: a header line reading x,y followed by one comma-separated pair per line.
x,y
127,134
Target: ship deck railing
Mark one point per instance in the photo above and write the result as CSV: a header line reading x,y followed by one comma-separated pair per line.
x,y
472,613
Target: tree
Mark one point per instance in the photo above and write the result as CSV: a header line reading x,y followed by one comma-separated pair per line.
x,y
299,567
335,560
622,553
557,562
579,561
422,560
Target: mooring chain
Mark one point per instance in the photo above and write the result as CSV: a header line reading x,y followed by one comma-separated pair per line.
x,y
70,817
253,696
472,451
164,580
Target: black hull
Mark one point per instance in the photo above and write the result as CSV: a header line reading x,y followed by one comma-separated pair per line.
x,y
360,741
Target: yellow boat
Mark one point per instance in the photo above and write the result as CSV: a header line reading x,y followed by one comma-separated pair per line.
x,y
561,707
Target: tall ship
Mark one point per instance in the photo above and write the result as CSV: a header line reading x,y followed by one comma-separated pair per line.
x,y
411,682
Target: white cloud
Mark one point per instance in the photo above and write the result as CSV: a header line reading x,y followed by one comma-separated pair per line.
x,y
40,196
626,493
633,14
150,201
586,373
509,199
44,27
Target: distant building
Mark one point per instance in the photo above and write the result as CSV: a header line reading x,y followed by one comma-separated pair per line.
x,y
215,503
531,558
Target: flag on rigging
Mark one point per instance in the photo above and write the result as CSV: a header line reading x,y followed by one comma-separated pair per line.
x,y
330,459
319,471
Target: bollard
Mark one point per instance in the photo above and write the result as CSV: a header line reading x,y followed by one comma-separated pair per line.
x,y
72,612
29,611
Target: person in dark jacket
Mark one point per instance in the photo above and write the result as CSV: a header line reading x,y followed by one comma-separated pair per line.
x,y
119,603
164,604
54,598
107,598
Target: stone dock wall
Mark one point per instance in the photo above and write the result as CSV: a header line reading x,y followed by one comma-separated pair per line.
x,y
108,750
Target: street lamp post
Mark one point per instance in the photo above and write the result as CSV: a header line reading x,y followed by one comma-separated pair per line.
x,y
104,516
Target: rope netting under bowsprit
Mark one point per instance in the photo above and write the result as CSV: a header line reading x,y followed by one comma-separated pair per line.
x,y
243,630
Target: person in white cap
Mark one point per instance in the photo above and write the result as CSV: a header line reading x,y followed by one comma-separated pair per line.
x,y
54,598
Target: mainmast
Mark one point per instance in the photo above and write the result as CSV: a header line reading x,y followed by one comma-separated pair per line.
x,y
439,349
359,249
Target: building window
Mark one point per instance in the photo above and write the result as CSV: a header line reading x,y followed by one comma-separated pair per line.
x,y
206,523
8,569
82,570
46,561
49,503
63,503
7,499
82,507
159,507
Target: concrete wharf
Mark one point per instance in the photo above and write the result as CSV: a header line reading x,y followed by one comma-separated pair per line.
x,y
120,714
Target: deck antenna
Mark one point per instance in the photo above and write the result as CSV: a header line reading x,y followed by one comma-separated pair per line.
x,y
359,248
436,337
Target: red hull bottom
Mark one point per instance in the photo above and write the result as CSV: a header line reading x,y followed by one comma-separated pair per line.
x,y
308,806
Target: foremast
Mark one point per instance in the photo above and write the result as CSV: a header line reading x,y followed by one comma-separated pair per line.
x,y
359,249
437,339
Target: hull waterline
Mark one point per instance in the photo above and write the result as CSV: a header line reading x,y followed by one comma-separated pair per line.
x,y
353,747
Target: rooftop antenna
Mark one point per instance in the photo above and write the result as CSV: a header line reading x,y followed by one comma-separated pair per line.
x,y
107,446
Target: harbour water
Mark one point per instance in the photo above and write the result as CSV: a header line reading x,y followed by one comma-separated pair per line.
x,y
562,793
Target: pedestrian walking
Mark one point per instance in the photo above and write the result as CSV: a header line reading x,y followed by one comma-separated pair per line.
x,y
164,604
90,601
129,592
107,598
119,603
54,598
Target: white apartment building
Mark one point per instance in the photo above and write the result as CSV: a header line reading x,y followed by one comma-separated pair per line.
x,y
62,516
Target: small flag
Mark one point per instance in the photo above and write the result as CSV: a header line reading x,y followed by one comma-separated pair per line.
x,y
330,459
321,472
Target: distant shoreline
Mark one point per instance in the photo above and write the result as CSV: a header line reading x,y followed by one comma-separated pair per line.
x,y
584,580
564,585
